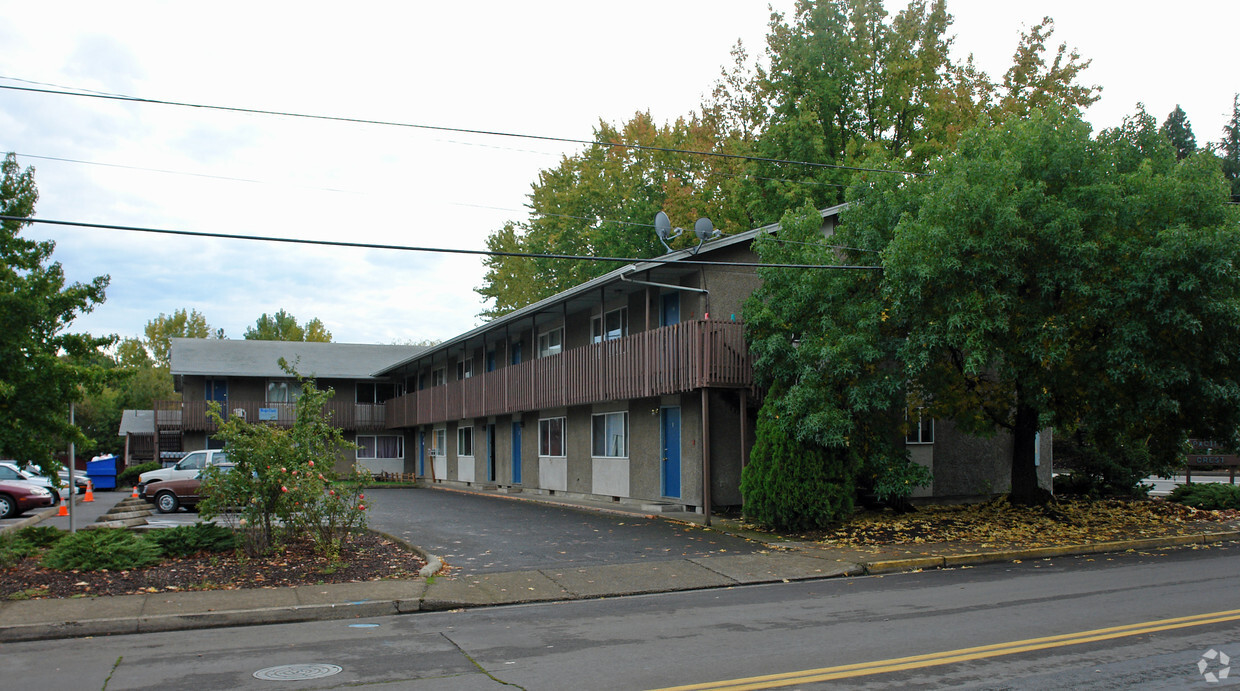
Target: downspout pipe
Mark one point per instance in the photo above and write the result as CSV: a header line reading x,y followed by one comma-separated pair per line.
x,y
669,286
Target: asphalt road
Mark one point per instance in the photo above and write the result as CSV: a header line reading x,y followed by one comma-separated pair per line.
x,y
950,628
479,534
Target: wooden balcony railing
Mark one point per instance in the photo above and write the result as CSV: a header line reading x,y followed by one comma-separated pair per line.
x,y
191,416
673,359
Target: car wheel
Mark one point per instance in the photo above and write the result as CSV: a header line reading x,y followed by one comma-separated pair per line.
x,y
8,507
167,502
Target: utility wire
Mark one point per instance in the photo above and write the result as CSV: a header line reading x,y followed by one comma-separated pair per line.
x,y
435,250
438,128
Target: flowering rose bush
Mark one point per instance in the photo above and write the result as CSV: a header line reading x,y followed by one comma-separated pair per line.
x,y
276,488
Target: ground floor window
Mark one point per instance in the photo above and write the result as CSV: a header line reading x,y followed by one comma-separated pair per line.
x,y
551,436
439,442
381,446
465,441
611,435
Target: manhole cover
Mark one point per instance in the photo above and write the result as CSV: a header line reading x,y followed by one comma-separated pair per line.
x,y
297,672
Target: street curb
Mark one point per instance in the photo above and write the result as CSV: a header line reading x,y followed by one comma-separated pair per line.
x,y
886,566
434,564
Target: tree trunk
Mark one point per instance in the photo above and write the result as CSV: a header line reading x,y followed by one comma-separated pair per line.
x,y
1025,489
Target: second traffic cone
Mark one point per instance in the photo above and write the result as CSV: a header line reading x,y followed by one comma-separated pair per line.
x,y
135,493
90,495
64,509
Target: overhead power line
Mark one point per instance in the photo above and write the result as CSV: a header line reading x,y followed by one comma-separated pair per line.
x,y
437,128
434,250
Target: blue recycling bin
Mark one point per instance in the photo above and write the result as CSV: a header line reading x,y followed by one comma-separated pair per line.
x,y
102,472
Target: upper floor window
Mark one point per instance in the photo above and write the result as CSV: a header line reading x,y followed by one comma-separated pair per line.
x,y
439,377
920,428
283,391
609,326
378,392
551,342
465,368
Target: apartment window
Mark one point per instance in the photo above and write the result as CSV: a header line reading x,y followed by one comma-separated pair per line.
x,y
378,392
609,326
465,441
439,442
387,446
551,342
514,357
283,391
611,435
551,436
439,377
465,369
490,360
920,428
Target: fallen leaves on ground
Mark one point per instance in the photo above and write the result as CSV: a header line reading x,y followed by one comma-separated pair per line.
x,y
999,523
366,557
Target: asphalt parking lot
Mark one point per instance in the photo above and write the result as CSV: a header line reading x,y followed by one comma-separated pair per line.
x,y
485,534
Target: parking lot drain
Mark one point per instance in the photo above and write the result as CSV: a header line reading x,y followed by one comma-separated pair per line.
x,y
297,672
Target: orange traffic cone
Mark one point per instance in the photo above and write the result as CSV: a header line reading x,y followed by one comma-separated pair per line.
x,y
64,509
90,494
135,493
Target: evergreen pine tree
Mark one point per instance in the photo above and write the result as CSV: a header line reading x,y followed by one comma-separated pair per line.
x,y
1231,149
1179,132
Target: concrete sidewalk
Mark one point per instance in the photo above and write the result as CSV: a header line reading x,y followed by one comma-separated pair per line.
x,y
779,562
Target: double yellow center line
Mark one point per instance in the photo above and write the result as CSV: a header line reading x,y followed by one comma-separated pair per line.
x,y
899,664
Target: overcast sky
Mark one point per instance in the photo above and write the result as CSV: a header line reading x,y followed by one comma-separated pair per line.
x,y
535,67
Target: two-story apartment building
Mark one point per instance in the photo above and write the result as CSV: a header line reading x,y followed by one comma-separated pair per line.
x,y
245,378
633,387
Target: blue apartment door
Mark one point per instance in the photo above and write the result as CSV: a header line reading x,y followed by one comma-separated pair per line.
x,y
422,453
490,453
669,309
669,423
217,390
516,453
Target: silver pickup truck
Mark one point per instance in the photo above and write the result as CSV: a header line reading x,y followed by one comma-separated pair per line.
x,y
186,468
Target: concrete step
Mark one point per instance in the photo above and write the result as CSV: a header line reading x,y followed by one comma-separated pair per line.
x,y
123,515
664,508
126,523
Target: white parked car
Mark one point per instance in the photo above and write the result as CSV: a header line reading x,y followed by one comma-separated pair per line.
x,y
188,467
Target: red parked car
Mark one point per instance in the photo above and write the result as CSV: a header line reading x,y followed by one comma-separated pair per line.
x,y
17,497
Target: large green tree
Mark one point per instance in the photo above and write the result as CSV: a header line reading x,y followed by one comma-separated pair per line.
x,y
283,326
43,366
180,324
1044,277
602,202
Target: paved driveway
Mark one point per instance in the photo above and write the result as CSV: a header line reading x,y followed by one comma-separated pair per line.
x,y
481,534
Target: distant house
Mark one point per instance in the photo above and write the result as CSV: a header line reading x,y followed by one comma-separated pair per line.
x,y
634,387
138,430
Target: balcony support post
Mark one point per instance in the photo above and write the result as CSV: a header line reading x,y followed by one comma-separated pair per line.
x,y
706,455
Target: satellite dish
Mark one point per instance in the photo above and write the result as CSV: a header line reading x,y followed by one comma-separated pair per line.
x,y
663,228
705,230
